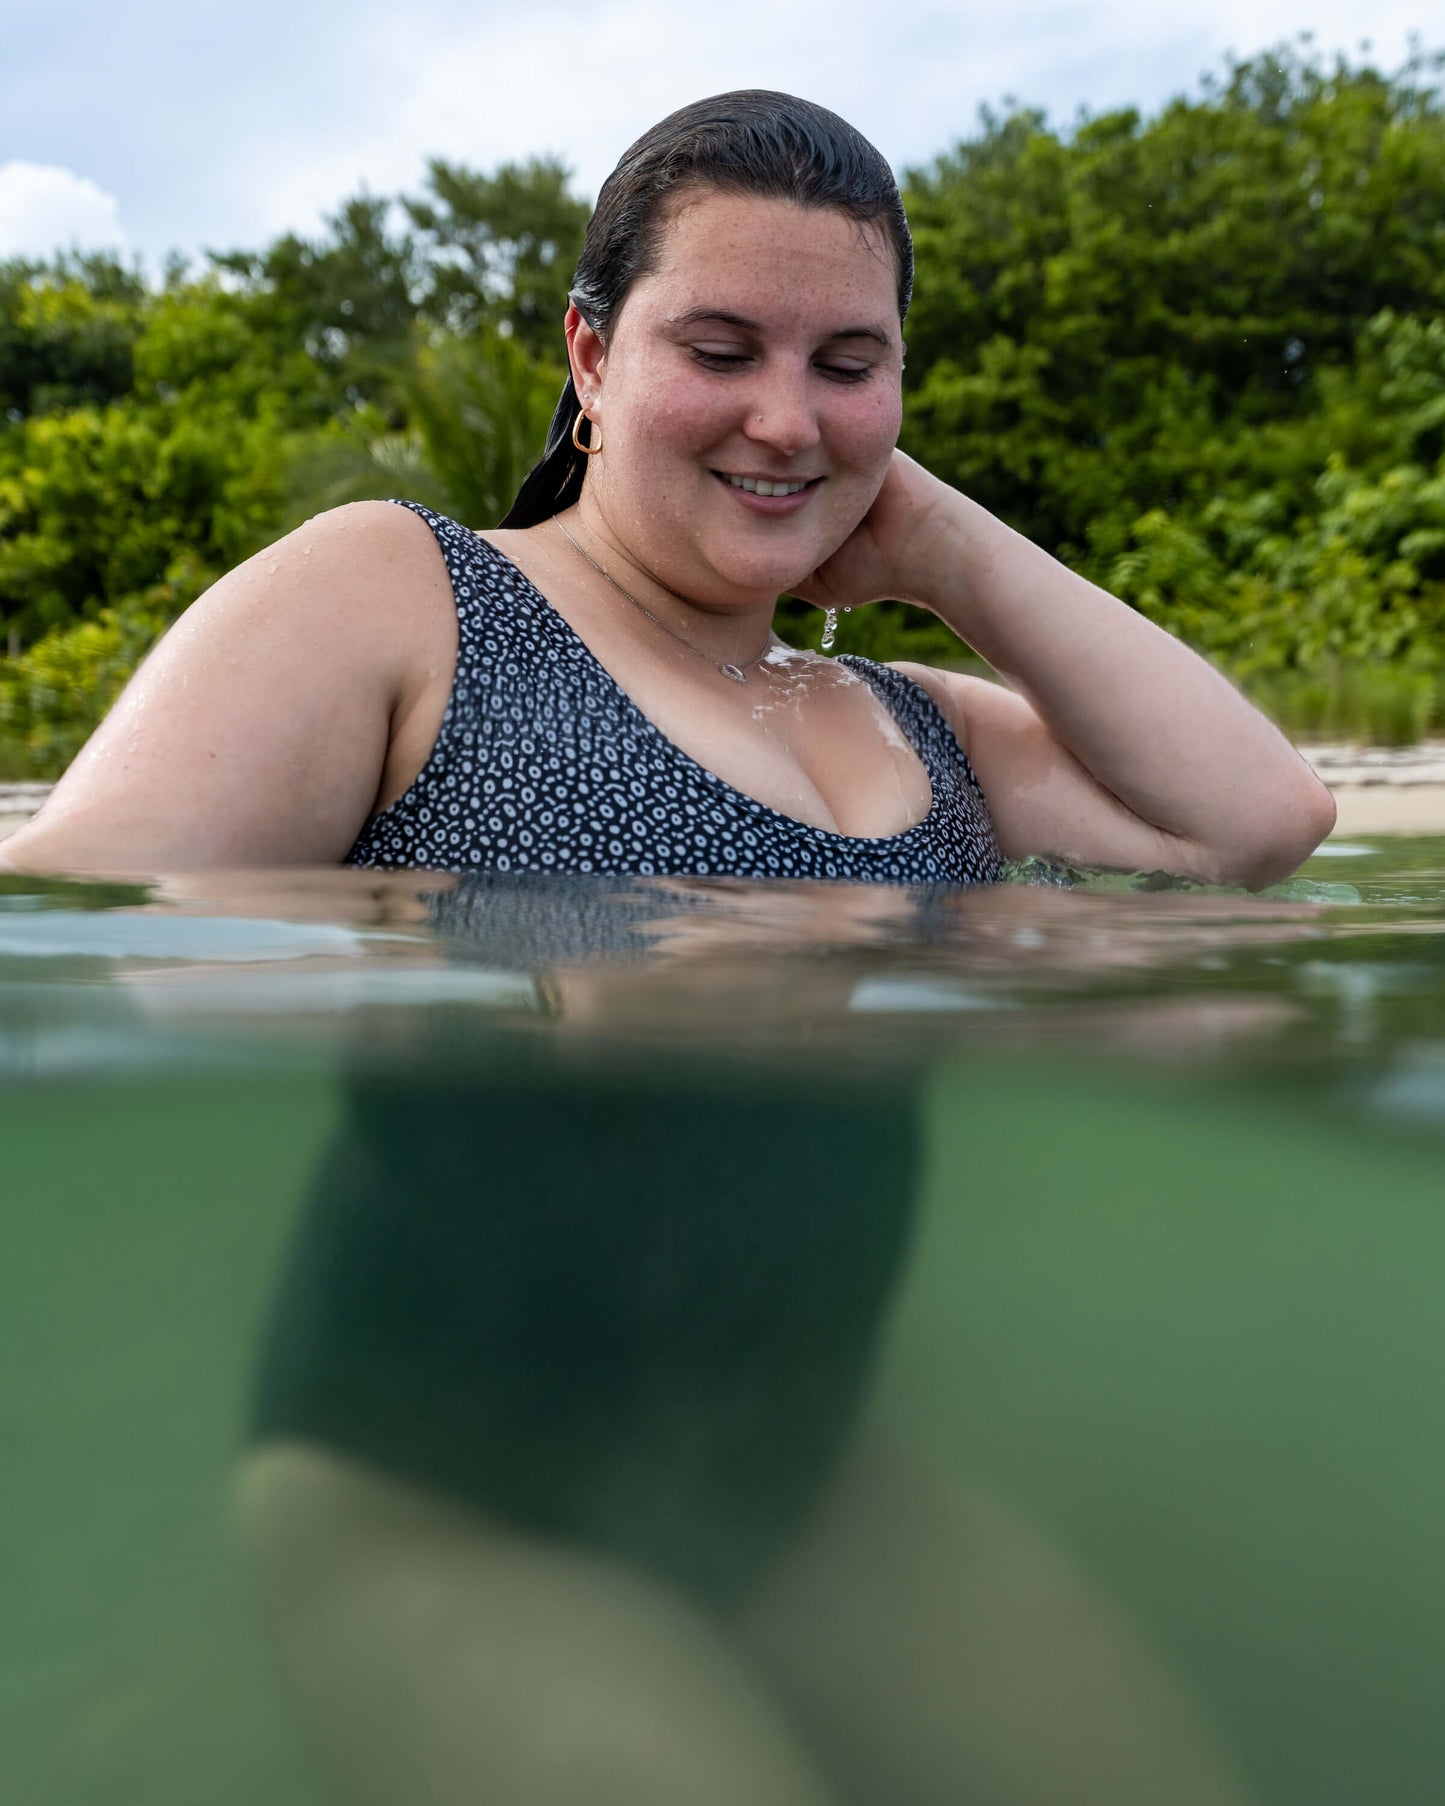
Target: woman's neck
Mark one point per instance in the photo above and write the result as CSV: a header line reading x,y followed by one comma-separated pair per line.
x,y
724,632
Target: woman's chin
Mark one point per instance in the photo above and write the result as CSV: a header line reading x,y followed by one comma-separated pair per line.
x,y
772,571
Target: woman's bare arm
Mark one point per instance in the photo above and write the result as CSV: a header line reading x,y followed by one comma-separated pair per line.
x,y
257,731
1122,746
1117,745
1250,825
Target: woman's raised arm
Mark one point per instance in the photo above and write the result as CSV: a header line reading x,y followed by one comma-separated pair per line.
x,y
1117,745
257,732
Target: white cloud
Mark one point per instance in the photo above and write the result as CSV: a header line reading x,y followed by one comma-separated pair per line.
x,y
45,209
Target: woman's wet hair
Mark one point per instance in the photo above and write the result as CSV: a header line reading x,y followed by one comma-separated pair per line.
x,y
753,142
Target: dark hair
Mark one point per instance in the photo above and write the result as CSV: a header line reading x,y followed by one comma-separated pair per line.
x,y
753,142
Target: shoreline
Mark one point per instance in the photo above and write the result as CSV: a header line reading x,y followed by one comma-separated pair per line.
x,y
1379,790
1383,790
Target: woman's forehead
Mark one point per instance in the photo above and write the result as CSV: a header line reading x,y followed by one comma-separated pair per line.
x,y
715,246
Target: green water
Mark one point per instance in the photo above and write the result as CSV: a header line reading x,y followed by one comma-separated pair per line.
x,y
1157,1316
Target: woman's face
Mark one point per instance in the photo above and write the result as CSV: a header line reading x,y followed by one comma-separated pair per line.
x,y
763,348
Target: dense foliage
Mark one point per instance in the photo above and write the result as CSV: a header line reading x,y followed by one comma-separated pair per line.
x,y
1200,356
1203,357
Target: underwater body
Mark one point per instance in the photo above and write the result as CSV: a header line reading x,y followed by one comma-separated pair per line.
x,y
999,1327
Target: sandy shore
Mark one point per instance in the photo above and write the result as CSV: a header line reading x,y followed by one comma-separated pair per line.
x,y
1379,789
1384,789
1418,809
18,802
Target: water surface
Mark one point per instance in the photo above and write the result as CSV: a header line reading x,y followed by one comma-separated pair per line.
x,y
1003,1325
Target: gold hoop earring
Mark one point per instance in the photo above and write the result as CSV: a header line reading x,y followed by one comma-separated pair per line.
x,y
594,436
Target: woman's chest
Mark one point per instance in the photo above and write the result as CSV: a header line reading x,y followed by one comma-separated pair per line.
x,y
801,737
548,766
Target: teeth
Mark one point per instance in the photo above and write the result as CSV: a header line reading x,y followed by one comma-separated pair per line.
x,y
755,486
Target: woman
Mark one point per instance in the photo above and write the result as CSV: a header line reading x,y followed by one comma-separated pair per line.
x,y
524,1533
595,685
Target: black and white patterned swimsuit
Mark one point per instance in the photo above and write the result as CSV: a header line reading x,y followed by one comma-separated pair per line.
x,y
543,763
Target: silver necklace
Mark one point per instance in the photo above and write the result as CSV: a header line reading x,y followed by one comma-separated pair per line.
x,y
738,673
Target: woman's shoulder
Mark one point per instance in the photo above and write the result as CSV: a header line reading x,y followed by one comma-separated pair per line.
x,y
464,552
974,707
373,569
940,690
360,540
260,727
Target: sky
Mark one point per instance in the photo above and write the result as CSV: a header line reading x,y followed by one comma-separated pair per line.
x,y
158,127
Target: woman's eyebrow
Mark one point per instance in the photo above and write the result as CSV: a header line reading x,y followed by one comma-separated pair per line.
x,y
695,314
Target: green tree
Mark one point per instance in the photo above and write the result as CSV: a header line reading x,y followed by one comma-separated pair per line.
x,y
347,298
1200,355
476,413
66,333
500,249
1094,308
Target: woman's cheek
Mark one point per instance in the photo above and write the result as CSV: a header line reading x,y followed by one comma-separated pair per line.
x,y
888,421
874,446
684,414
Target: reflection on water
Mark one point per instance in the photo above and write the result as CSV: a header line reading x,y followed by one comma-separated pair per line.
x,y
708,1342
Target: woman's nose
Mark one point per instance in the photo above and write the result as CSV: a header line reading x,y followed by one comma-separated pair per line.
x,y
782,416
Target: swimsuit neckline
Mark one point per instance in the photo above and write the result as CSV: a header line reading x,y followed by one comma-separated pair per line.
x,y
740,797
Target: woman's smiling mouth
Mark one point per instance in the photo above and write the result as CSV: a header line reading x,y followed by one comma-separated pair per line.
x,y
764,486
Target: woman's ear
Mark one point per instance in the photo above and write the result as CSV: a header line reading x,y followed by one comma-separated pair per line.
x,y
587,355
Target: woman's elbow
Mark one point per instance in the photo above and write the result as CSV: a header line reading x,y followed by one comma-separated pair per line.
x,y
1282,834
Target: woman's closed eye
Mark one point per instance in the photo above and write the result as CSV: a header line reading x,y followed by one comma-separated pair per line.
x,y
720,360
735,360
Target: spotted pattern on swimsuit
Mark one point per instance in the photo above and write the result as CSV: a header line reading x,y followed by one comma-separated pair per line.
x,y
544,764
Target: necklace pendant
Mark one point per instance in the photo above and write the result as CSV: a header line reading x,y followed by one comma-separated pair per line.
x,y
735,672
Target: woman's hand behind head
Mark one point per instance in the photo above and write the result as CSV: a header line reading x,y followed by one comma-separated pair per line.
x,y
885,556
